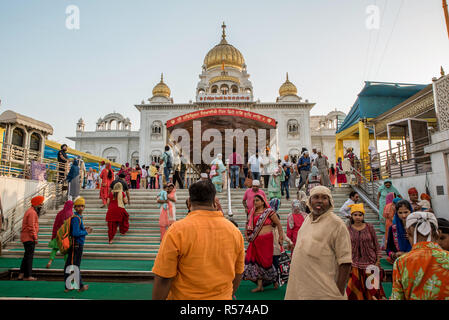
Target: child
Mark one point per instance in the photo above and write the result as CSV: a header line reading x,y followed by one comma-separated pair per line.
x,y
62,215
78,233
296,218
425,202
134,175
162,200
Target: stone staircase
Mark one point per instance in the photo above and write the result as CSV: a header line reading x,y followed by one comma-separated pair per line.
x,y
142,240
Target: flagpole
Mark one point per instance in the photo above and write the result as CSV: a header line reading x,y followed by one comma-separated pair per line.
x,y
446,15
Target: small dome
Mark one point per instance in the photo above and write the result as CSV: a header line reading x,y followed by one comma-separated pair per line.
x,y
224,53
161,89
288,89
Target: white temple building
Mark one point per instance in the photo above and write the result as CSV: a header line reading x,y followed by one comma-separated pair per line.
x,y
224,100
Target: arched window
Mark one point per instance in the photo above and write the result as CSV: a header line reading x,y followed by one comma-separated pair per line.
x,y
201,91
18,137
35,142
224,89
248,91
156,156
293,126
214,89
234,89
156,127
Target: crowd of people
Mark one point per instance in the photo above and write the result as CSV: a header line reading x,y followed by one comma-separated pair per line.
x,y
202,256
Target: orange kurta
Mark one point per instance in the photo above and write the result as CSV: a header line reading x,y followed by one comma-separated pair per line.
x,y
105,185
422,273
30,226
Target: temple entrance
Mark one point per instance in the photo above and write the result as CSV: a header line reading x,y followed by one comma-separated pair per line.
x,y
200,136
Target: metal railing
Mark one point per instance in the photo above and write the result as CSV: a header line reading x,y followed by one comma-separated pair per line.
x,y
367,189
11,228
405,159
24,163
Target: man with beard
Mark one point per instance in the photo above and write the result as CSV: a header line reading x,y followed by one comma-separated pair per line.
x,y
321,261
28,236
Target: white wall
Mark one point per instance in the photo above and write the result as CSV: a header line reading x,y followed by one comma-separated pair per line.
x,y
440,203
13,190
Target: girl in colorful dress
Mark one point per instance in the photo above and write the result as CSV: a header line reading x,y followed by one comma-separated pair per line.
x,y
168,208
62,215
259,233
365,253
296,218
398,243
388,214
332,175
341,175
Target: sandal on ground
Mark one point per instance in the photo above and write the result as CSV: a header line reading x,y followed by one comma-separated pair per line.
x,y
48,265
257,290
30,279
83,288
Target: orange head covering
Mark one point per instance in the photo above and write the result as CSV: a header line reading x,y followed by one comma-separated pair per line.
x,y
286,158
412,191
37,201
425,196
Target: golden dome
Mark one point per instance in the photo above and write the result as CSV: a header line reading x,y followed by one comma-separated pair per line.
x,y
224,53
161,89
288,88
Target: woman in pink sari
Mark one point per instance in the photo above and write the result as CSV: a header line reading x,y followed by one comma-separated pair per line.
x,y
106,176
168,214
259,233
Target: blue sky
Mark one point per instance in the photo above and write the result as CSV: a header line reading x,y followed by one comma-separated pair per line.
x,y
114,60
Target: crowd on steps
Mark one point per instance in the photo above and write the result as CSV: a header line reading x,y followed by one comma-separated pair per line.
x,y
318,255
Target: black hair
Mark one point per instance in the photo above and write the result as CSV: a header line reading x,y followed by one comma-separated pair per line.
x,y
233,222
202,192
332,169
262,199
187,205
352,220
167,148
404,203
64,145
352,194
122,175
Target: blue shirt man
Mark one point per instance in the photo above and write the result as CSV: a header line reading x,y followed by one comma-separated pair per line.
x,y
304,163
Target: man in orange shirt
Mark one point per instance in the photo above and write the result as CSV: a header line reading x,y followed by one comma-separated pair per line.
x,y
28,236
201,256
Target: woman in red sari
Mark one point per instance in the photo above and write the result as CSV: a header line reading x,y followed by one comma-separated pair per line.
x,y
259,233
106,176
117,215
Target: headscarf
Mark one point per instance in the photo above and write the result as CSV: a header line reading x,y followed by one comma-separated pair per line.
x,y
251,225
275,203
396,200
321,190
412,191
357,207
286,158
74,171
389,198
404,244
62,215
37,201
302,196
118,194
423,222
425,196
110,172
314,172
79,202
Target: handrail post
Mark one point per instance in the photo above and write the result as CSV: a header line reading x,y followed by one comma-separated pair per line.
x,y
400,158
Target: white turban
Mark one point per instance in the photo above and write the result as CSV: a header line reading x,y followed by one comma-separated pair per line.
x,y
320,190
256,183
204,176
423,221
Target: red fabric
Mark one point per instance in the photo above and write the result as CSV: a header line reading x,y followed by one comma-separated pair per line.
x,y
292,233
30,226
341,177
105,185
62,216
36,201
112,227
115,213
260,251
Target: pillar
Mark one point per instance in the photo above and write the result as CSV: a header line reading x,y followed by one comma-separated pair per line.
x,y
339,152
364,144
2,135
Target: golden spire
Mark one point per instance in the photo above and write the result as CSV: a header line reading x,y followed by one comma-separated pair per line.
x,y
224,32
442,71
162,77
287,76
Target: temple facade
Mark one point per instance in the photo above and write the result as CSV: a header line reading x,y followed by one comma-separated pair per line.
x,y
224,100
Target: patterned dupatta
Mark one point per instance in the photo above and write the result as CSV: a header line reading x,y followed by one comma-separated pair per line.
x,y
259,224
